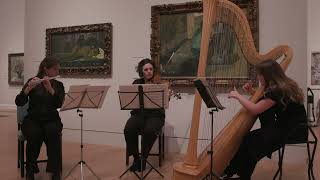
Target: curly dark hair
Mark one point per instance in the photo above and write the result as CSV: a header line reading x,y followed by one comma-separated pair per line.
x,y
142,63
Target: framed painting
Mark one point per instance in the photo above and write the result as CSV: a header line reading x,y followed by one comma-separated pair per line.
x,y
315,68
15,69
83,51
175,44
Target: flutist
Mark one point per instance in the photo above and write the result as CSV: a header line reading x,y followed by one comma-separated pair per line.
x,y
43,124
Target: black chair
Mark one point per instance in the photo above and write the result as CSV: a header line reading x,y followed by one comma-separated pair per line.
x,y
21,114
160,153
300,135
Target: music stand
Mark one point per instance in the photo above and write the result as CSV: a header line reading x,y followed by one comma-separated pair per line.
x,y
209,97
143,96
83,96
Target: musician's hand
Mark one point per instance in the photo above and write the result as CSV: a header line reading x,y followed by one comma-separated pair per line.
x,y
47,85
234,94
248,87
31,84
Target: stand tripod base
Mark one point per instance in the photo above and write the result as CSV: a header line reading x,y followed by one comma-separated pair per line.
x,y
83,165
141,175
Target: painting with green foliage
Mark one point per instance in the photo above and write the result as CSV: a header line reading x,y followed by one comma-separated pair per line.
x,y
83,51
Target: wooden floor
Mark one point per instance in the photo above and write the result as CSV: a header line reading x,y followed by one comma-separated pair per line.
x,y
108,162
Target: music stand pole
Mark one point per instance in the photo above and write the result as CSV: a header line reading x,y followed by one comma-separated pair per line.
x,y
141,95
82,163
211,174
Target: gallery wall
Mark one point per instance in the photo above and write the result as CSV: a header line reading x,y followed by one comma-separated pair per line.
x,y
11,41
131,41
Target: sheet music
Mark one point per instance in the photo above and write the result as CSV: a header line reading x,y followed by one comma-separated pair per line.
x,y
129,99
212,95
158,93
84,96
156,96
73,97
94,96
208,94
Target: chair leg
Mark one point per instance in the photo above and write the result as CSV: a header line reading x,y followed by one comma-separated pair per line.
x,y
61,153
160,149
311,159
19,153
163,146
127,158
280,160
22,162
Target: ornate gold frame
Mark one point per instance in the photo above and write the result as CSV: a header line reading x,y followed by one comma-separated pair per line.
x,y
102,70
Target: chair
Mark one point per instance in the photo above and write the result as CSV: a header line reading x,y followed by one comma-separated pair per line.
x,y
21,114
160,153
300,136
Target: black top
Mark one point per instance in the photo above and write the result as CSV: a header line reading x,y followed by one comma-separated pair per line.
x,y
287,118
42,105
147,112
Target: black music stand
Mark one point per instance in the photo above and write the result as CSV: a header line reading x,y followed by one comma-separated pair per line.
x,y
143,96
209,97
83,96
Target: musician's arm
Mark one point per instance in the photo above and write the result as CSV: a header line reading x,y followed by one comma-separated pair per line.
x,y
59,94
254,108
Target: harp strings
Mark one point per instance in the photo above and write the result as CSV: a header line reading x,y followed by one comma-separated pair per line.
x,y
225,61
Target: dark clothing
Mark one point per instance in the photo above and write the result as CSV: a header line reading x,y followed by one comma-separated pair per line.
x,y
42,124
147,124
277,123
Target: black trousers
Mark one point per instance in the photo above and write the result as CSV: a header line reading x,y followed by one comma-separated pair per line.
x,y
257,144
148,127
36,133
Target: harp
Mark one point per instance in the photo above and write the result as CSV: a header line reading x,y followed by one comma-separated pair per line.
x,y
226,143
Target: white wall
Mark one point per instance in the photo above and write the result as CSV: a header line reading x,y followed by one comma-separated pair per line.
x,y
313,28
281,22
11,41
284,22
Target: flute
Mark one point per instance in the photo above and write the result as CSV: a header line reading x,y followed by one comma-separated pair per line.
x,y
38,81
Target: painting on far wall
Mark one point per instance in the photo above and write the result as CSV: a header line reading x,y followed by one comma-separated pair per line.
x,y
84,51
176,39
15,69
315,68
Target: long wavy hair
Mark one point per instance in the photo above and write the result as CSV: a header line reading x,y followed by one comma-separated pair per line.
x,y
276,79
47,62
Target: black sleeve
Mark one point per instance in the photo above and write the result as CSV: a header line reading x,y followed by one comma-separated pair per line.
x,y
59,94
274,95
22,98
138,81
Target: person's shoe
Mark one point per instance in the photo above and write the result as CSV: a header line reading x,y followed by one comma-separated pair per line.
x,y
56,176
29,176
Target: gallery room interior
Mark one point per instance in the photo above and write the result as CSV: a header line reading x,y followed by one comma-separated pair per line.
x,y
99,44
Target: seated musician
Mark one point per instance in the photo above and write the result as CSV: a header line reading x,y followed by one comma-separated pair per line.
x,y
149,124
280,110
43,123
